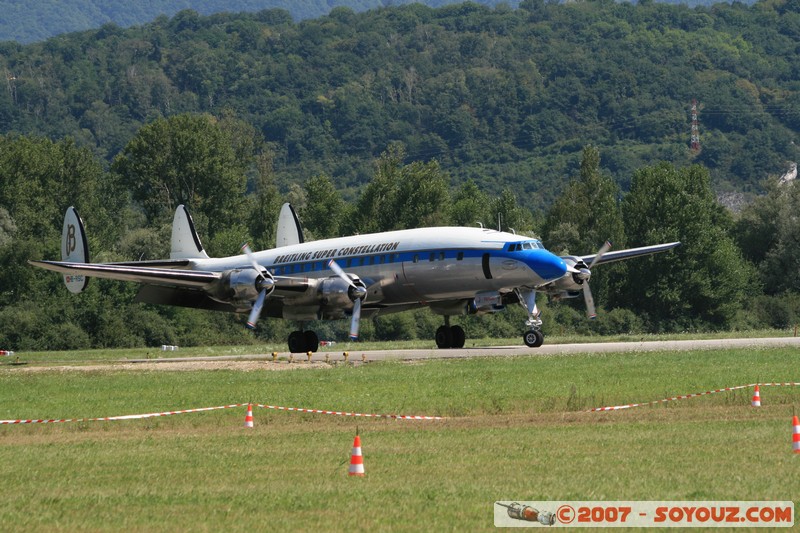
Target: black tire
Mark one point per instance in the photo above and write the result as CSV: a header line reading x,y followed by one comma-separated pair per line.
x,y
312,341
444,337
297,342
533,338
458,337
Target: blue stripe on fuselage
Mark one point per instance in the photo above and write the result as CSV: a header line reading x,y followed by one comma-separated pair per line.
x,y
546,265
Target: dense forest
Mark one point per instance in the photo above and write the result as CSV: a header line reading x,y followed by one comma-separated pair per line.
x,y
569,122
505,97
27,21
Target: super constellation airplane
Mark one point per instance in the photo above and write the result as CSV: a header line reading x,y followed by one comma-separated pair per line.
x,y
452,270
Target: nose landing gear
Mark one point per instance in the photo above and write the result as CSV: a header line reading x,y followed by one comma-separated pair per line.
x,y
533,338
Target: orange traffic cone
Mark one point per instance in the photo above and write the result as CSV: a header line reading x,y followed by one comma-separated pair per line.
x,y
756,398
248,419
795,435
356,459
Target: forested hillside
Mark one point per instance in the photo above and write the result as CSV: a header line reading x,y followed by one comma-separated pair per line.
x,y
566,121
505,97
27,21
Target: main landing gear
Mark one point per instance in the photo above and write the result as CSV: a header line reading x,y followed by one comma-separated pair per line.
x,y
448,336
303,342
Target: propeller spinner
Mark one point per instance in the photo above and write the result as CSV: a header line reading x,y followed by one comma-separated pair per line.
x,y
584,274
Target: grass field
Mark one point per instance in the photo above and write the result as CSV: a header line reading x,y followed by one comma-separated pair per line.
x,y
516,429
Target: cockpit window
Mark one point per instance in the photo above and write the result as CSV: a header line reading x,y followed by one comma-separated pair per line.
x,y
527,245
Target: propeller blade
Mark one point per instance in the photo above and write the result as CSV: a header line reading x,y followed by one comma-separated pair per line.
x,y
603,249
354,323
339,272
256,311
246,249
587,297
358,294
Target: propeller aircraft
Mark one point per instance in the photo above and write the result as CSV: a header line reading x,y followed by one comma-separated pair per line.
x,y
452,270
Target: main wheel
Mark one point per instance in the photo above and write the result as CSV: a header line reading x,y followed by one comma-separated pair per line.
x,y
311,341
458,336
444,337
297,342
533,338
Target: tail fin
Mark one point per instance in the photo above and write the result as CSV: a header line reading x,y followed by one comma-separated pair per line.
x,y
185,242
289,230
74,249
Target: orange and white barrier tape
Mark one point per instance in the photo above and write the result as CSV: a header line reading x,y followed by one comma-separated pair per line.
x,y
344,413
120,417
202,409
694,395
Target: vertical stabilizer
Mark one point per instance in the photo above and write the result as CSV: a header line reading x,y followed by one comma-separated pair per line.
x,y
185,242
289,230
74,249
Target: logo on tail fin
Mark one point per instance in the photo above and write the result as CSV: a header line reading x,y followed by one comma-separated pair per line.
x,y
74,249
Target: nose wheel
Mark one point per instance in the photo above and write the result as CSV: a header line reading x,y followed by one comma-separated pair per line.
x,y
533,338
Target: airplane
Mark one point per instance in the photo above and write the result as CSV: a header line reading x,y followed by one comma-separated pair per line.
x,y
452,270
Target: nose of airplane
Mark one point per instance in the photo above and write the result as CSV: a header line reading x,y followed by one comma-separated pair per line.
x,y
546,265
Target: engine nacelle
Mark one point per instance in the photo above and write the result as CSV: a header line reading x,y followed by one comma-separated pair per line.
x,y
241,286
571,285
336,295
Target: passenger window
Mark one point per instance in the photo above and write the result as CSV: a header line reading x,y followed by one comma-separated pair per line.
x,y
432,256
460,256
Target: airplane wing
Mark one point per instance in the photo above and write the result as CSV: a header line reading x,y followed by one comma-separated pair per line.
x,y
129,272
619,255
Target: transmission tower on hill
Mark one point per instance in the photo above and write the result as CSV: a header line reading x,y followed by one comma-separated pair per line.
x,y
695,139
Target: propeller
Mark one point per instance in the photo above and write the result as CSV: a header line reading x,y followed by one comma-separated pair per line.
x,y
585,274
357,293
265,284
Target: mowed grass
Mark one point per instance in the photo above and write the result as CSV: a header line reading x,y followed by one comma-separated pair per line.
x,y
516,429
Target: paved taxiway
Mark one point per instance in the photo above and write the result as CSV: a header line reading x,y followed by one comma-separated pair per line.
x,y
355,354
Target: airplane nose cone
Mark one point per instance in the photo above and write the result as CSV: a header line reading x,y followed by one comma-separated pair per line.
x,y
547,266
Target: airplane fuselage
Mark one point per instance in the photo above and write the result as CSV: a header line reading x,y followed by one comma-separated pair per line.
x,y
407,268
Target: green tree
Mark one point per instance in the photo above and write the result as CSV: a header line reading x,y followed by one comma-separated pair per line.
x,y
265,203
703,282
586,215
185,159
402,196
324,208
767,231
471,206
